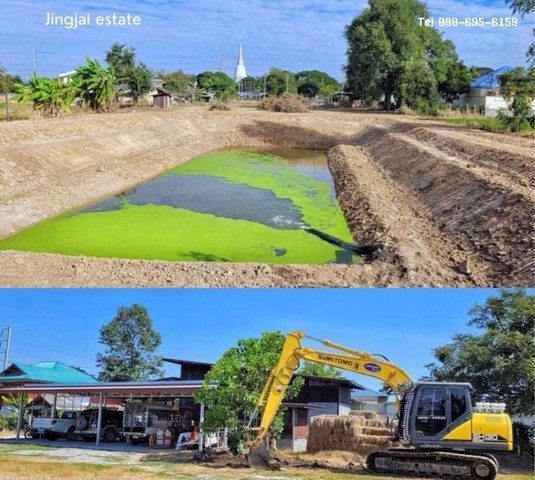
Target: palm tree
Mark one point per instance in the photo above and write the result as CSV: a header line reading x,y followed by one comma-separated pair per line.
x,y
95,84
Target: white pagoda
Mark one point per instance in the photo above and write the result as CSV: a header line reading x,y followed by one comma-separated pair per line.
x,y
240,73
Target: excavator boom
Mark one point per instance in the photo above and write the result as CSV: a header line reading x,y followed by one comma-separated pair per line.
x,y
446,435
351,360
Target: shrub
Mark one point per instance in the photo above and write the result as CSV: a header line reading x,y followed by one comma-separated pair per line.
x,y
523,439
3,422
286,103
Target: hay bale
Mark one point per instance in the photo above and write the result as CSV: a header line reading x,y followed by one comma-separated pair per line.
x,y
354,433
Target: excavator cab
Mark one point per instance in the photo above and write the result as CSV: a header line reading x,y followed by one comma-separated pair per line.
x,y
441,415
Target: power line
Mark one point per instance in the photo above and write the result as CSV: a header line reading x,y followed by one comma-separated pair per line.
x,y
53,350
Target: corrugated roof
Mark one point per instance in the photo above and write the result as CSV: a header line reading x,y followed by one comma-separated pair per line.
x,y
491,79
368,392
120,389
44,372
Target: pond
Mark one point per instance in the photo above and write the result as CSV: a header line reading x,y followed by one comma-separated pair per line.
x,y
229,206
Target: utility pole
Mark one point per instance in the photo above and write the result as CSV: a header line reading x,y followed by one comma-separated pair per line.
x,y
34,59
265,85
287,80
222,60
5,341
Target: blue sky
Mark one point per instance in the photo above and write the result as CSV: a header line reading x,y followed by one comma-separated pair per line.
x,y
199,35
201,324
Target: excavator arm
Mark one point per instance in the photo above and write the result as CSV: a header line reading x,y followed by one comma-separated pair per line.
x,y
348,359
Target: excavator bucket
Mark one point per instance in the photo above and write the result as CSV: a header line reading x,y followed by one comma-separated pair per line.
x,y
260,458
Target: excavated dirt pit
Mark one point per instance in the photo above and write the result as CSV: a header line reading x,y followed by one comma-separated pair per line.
x,y
452,207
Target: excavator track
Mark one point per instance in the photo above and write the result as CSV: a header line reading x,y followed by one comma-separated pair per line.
x,y
449,465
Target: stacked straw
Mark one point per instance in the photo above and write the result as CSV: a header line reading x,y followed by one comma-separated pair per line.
x,y
361,432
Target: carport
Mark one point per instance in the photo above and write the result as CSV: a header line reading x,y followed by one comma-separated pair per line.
x,y
149,390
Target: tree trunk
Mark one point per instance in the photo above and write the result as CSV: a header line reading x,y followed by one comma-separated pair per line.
x,y
7,106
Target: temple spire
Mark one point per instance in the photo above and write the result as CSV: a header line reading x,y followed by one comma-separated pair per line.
x,y
241,72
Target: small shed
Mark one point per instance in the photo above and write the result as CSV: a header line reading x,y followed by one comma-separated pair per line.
x,y
319,396
162,98
296,420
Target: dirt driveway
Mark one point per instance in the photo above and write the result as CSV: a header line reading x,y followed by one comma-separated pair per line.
x,y
453,207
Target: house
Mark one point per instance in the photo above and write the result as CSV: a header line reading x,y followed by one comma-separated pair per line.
x,y
368,400
43,372
66,76
190,370
484,94
21,374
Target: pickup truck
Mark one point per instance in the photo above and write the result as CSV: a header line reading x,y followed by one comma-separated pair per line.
x,y
54,428
63,427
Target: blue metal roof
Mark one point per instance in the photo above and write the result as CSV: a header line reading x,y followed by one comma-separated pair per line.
x,y
367,392
491,79
49,372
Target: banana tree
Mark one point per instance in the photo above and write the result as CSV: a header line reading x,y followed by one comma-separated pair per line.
x,y
50,97
18,401
95,84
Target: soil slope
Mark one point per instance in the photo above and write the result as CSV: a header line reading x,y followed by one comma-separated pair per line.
x,y
451,207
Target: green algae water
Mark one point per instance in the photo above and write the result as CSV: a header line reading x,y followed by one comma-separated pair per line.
x,y
230,206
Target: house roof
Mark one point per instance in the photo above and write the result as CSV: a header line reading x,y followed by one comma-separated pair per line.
x,y
367,393
491,79
43,372
112,389
186,362
161,91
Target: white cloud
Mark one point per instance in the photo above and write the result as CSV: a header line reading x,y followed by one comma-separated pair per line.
x,y
193,34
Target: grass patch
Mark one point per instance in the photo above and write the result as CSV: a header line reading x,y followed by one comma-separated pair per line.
x,y
495,125
14,467
17,111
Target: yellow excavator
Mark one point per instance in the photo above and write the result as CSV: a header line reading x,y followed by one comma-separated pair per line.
x,y
439,431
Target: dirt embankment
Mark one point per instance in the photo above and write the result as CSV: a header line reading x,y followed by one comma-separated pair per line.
x,y
452,207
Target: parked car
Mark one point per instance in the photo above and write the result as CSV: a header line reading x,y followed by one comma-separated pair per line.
x,y
63,426
111,424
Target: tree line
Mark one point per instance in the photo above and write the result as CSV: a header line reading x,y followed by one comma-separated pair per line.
x,y
391,59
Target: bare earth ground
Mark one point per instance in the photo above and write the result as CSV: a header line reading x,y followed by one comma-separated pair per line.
x,y
454,207
50,460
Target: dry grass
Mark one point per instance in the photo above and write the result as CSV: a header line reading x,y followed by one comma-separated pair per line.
x,y
17,111
17,462
286,103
